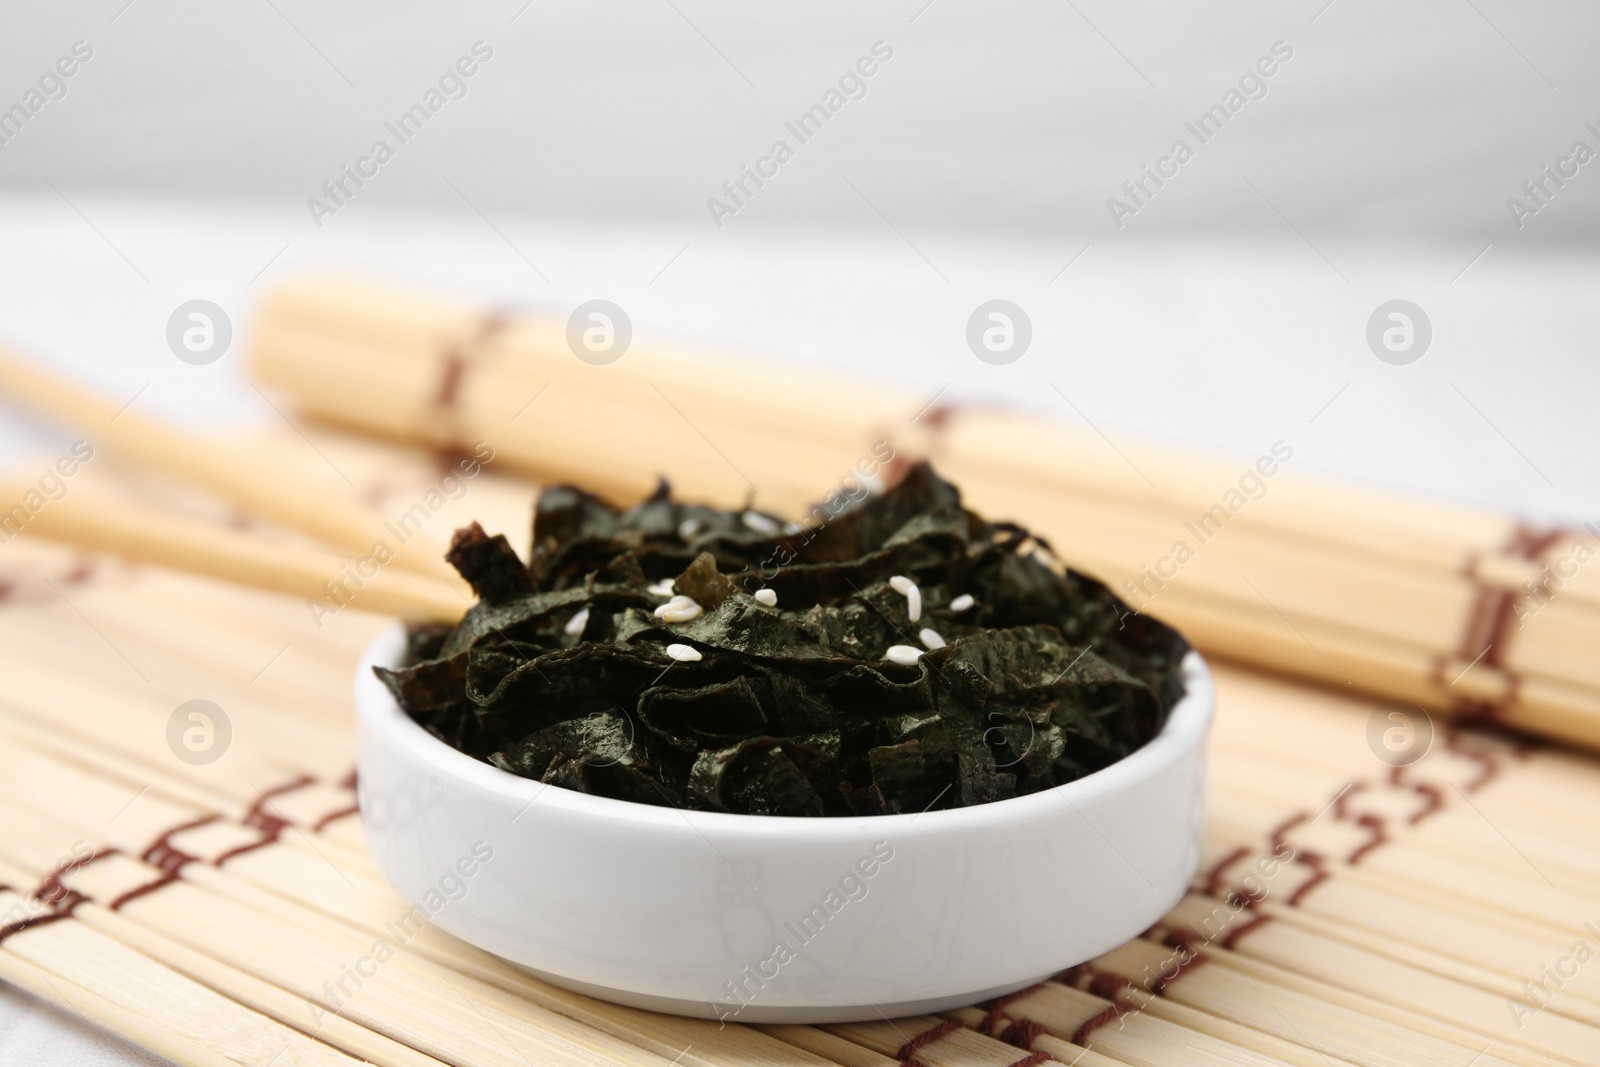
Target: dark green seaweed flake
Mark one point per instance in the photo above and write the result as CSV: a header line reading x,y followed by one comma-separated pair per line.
x,y
796,706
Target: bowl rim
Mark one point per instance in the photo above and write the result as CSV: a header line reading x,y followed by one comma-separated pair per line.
x,y
1186,728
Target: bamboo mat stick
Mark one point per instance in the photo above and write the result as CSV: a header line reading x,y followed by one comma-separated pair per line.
x,y
1329,733
1519,888
1023,451
255,483
1505,980
1363,1026
1065,1011
1415,606
1342,892
1450,1002
1499,960
306,685
1328,897
202,548
158,802
1415,871
1341,660
1288,781
1327,880
138,812
105,764
233,674
265,997
106,1016
1329,883
318,716
960,1046
821,1043
1230,1033
1447,825
93,581
1365,1033
139,985
1061,1050
266,756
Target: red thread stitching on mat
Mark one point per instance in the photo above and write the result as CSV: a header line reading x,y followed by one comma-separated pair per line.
x,y
1374,824
317,826
1278,833
1318,876
1031,1059
162,854
50,889
1343,798
1023,1033
140,890
61,900
1432,795
1488,629
1161,983
1108,986
10,929
1080,1036
908,1051
1483,757
270,826
459,359
997,1008
1213,883
1233,936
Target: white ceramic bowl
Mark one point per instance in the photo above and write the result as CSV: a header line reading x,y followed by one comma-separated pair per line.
x,y
767,919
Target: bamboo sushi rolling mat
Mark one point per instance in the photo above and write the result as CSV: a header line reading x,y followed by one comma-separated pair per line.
x,y
1346,912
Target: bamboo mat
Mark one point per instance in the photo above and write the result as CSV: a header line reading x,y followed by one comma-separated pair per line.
x,y
1346,912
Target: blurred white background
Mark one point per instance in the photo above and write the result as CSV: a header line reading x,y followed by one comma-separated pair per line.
x,y
1408,122
1228,311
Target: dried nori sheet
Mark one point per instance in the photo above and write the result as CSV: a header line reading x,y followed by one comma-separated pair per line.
x,y
791,709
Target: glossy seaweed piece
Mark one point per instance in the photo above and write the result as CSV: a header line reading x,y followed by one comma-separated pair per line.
x,y
792,710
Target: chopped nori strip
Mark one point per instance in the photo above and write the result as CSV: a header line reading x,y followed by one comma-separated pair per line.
x,y
793,708
489,564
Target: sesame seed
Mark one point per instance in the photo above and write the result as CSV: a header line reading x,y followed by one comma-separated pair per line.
x,y
684,653
931,638
905,655
576,624
760,523
678,609
661,588
688,528
905,586
769,597
962,603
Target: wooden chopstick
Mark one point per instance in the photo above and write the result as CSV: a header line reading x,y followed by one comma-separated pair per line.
x,y
147,536
252,481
